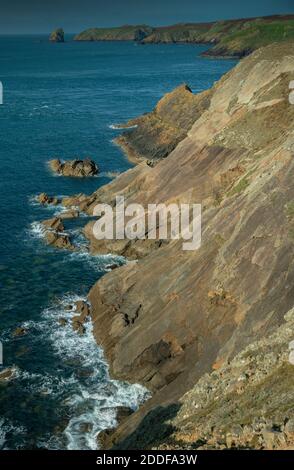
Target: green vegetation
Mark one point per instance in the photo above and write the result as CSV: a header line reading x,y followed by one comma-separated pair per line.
x,y
290,210
230,38
241,186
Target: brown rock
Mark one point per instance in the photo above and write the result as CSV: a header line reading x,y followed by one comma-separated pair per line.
x,y
54,224
75,168
20,331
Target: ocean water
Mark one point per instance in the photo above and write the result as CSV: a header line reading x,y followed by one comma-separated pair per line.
x,y
63,100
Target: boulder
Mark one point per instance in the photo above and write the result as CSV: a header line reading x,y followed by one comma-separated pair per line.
x,y
75,168
57,35
19,331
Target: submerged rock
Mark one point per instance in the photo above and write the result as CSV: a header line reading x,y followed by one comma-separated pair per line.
x,y
75,168
57,35
19,331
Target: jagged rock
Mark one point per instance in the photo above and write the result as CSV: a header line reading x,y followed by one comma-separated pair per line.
x,y
59,241
43,198
54,224
83,310
62,321
57,35
75,168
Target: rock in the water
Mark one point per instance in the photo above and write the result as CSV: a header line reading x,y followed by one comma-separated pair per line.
x,y
54,224
83,311
19,331
76,168
7,374
59,240
43,198
62,321
57,35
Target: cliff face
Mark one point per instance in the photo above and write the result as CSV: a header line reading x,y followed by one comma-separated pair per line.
x,y
230,38
156,134
174,315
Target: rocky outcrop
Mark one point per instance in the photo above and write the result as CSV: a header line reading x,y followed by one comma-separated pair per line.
x,y
44,199
154,135
75,168
174,316
53,234
57,35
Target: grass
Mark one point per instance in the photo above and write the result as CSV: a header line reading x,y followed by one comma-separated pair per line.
x,y
240,187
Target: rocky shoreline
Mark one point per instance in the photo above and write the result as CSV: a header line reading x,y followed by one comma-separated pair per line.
x,y
229,38
172,319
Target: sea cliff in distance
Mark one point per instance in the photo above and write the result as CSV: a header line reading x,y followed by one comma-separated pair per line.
x,y
230,38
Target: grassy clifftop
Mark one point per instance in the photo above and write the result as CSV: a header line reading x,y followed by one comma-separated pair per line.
x,y
120,33
235,38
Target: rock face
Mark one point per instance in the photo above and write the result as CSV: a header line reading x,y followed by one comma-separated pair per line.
x,y
75,168
57,35
174,316
156,134
246,403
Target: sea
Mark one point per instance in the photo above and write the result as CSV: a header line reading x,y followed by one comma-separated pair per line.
x,y
64,101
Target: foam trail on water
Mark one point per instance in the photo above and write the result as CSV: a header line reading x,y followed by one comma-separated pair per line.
x,y
92,396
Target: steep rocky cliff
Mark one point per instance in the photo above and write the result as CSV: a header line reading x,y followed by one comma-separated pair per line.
x,y
174,315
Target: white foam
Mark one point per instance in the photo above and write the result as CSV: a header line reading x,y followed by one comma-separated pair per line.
x,y
7,427
93,399
37,230
120,127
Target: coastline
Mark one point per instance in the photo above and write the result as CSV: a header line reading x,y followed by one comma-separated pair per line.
x,y
130,153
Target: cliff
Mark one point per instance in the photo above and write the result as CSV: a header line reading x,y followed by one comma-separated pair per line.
x,y
230,38
154,135
174,316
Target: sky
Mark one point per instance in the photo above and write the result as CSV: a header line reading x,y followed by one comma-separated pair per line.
x,y
42,16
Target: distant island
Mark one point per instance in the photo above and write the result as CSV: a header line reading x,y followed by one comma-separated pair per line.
x,y
230,38
57,35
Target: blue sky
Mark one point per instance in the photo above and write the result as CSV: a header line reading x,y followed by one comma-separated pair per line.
x,y
36,16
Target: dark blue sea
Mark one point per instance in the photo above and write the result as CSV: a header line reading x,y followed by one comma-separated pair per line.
x,y
61,100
